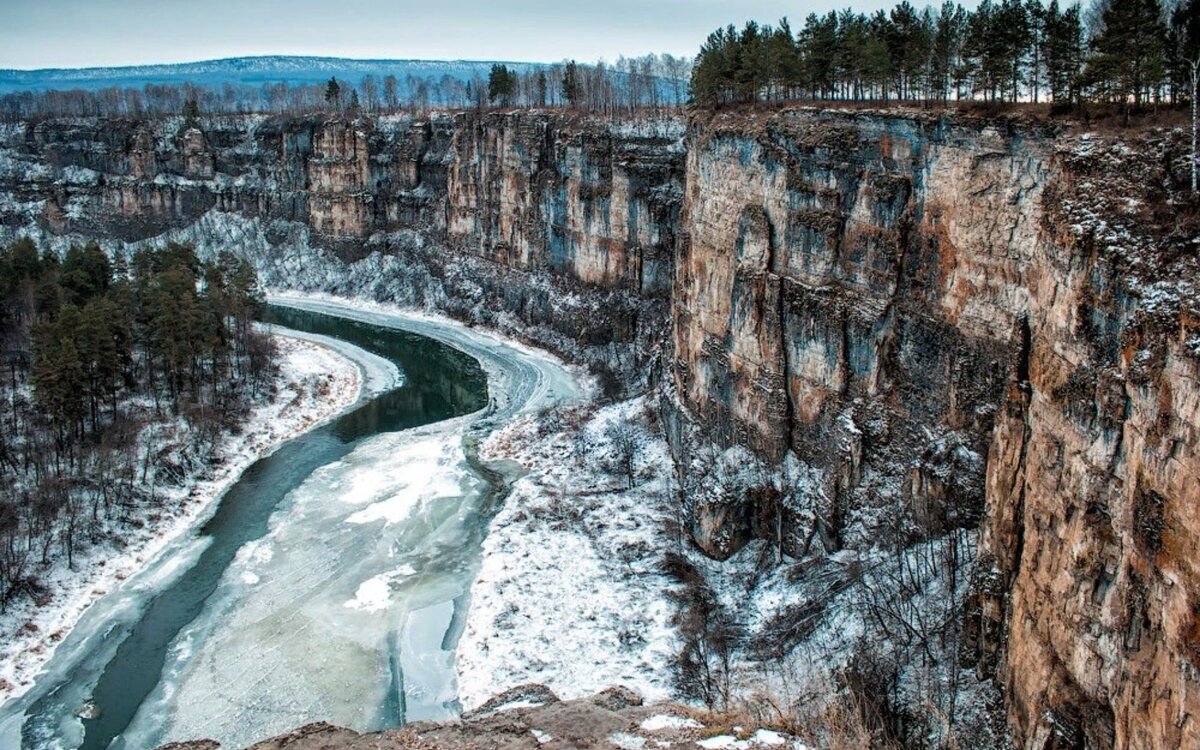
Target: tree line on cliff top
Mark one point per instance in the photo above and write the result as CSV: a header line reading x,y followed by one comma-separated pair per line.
x,y
114,373
1132,52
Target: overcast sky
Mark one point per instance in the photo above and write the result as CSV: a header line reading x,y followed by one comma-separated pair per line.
x,y
82,33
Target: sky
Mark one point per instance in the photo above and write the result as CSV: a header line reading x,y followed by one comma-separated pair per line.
x,y
87,33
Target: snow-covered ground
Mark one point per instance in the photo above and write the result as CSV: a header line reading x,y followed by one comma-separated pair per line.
x,y
315,382
570,593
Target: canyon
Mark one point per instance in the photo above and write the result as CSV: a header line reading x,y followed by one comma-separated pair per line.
x,y
851,321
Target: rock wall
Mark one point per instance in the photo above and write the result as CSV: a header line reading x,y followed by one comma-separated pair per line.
x,y
980,323
529,223
850,289
1091,480
991,323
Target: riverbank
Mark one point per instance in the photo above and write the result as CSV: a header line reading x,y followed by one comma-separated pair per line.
x,y
570,590
315,382
348,607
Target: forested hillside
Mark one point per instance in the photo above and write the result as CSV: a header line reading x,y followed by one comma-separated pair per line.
x,y
101,362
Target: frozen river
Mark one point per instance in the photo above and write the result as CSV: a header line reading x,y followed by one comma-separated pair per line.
x,y
332,581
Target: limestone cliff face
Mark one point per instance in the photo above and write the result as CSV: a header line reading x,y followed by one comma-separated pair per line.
x,y
828,257
527,222
979,323
1092,476
596,199
876,294
851,289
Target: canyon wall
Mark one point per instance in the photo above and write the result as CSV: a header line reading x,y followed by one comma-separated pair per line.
x,y
973,323
995,325
525,223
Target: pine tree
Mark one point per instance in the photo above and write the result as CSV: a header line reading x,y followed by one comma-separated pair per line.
x,y
783,61
1185,56
502,84
570,84
852,39
85,273
750,72
949,30
712,77
878,66
1127,61
333,94
1036,43
191,112
907,45
820,40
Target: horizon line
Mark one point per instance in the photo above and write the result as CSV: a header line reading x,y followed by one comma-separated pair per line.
x,y
336,58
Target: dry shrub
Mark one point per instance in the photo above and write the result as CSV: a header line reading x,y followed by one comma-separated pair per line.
x,y
841,726
823,717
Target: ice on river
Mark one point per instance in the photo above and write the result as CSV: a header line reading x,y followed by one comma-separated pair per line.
x,y
349,608
344,611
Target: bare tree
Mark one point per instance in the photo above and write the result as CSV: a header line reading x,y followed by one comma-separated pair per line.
x,y
622,436
391,98
1195,76
370,93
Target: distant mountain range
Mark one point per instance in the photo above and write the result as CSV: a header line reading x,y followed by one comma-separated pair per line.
x,y
250,71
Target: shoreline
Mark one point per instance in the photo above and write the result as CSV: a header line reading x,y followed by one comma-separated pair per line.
x,y
543,577
317,382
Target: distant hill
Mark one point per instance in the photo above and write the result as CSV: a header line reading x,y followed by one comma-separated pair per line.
x,y
248,71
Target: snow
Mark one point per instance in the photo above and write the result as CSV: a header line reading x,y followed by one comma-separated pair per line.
x,y
761,738
316,384
569,593
627,741
662,722
372,594
767,737
403,489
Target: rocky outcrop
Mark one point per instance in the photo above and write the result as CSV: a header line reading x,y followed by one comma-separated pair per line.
x,y
530,717
1091,480
848,289
870,314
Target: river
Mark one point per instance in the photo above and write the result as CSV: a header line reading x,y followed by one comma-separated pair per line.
x,y
332,580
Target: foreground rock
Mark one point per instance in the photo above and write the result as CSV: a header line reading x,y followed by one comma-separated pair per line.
x,y
531,716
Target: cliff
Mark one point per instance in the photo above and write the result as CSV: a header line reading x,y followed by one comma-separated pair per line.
x,y
966,324
892,299
524,223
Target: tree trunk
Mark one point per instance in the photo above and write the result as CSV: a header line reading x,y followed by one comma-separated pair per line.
x,y
1195,124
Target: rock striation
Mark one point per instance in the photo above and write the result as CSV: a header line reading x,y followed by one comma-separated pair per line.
x,y
983,322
